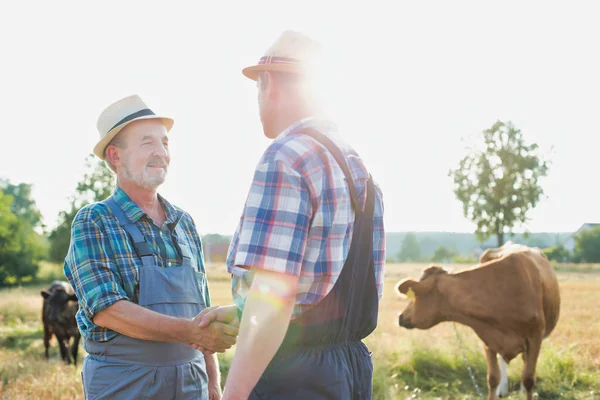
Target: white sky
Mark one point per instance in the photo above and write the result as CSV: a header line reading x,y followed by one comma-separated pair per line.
x,y
412,80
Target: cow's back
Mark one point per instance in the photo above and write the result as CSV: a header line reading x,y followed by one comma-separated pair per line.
x,y
498,252
540,273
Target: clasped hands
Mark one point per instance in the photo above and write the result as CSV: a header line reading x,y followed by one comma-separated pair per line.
x,y
215,329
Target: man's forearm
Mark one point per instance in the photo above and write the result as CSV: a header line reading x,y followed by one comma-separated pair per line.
x,y
264,323
138,322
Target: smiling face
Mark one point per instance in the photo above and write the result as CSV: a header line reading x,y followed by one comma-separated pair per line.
x,y
143,156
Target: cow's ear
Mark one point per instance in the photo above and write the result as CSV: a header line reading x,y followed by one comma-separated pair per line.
x,y
45,294
403,287
72,297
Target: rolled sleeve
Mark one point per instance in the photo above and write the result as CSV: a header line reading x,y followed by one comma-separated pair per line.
x,y
379,242
276,220
91,270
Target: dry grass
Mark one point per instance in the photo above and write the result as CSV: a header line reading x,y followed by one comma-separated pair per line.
x,y
409,364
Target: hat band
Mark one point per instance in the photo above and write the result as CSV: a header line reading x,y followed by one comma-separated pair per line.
x,y
277,60
137,114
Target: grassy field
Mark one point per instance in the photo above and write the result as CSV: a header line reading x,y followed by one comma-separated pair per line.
x,y
408,364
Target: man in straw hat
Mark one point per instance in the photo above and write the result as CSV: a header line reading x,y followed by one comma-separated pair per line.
x,y
307,257
136,264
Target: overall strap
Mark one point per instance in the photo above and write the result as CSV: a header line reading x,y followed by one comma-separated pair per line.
x,y
341,160
182,248
142,247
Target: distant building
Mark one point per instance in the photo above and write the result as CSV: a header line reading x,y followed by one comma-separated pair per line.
x,y
570,242
217,252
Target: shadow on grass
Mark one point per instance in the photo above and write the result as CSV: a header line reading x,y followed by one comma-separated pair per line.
x,y
430,374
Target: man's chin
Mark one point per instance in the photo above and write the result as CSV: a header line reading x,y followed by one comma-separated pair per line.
x,y
154,182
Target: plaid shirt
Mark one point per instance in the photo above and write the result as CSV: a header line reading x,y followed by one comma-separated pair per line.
x,y
102,265
298,217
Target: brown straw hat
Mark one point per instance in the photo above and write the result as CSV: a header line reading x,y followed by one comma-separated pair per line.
x,y
292,52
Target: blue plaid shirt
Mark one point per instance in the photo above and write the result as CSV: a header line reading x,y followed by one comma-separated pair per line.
x,y
298,217
102,265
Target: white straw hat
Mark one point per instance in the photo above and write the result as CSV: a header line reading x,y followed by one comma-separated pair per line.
x,y
121,113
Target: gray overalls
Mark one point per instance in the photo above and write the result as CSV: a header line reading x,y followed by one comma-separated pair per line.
x,y
128,368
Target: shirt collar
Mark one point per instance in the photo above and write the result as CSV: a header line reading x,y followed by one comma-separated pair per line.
x,y
318,123
134,212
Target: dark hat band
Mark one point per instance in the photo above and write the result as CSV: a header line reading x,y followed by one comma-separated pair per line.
x,y
137,114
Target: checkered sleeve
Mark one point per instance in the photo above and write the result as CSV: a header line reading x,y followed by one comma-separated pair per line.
x,y
379,242
90,266
276,220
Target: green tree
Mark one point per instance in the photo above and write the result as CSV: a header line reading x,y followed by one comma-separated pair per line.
x,y
443,254
21,248
8,244
23,205
499,184
587,245
410,250
96,184
557,253
60,237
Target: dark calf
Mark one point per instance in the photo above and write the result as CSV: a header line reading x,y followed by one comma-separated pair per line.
x,y
58,317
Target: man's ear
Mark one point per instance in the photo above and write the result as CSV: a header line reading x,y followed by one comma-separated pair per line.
x,y
45,294
271,85
112,154
406,287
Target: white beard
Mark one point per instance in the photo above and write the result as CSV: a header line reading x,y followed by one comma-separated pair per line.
x,y
144,178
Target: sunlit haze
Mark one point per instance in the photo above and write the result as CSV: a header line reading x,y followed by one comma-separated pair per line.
x,y
406,82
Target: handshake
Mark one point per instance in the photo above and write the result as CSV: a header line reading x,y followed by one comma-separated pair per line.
x,y
214,330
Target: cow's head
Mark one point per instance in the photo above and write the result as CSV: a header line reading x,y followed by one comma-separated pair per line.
x,y
424,309
57,303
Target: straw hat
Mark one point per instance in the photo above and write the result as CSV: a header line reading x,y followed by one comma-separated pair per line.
x,y
120,114
292,52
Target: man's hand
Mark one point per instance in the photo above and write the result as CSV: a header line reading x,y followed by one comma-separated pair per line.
x,y
214,392
216,315
227,315
215,338
214,377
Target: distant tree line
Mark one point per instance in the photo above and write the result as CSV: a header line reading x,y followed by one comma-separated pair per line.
x,y
587,250
498,183
24,240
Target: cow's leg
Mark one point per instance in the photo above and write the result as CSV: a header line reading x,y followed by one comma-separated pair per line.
x,y
531,353
64,352
75,348
47,337
502,390
493,375
521,387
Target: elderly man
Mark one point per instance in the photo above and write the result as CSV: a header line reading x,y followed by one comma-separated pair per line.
x,y
307,257
136,265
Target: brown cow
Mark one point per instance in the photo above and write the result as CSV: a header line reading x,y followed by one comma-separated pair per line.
x,y
58,316
512,302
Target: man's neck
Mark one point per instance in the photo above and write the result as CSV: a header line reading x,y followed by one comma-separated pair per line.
x,y
287,119
146,199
